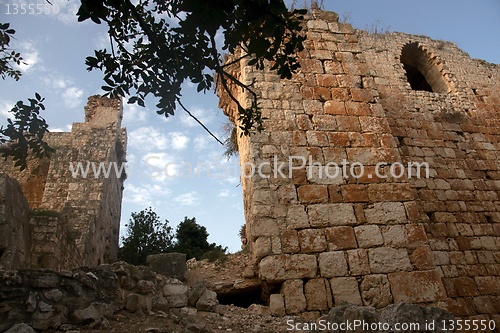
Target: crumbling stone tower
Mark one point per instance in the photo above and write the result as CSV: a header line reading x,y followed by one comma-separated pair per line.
x,y
371,238
50,216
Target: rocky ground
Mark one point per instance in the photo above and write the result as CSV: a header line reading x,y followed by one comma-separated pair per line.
x,y
229,318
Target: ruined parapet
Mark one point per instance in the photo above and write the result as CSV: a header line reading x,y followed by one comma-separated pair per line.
x,y
77,215
365,233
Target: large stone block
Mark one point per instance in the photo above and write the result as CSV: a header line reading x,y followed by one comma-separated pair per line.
x,y
296,217
169,264
340,238
277,305
386,213
262,226
313,193
261,248
279,268
388,260
329,215
332,264
312,240
293,294
394,235
368,236
207,302
488,285
376,291
176,294
345,290
290,241
318,295
358,262
417,286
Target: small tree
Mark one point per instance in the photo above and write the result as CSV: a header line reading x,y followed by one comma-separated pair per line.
x,y
192,240
145,235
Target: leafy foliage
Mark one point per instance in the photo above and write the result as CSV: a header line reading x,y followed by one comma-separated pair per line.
x,y
192,240
231,141
25,133
8,57
146,235
157,45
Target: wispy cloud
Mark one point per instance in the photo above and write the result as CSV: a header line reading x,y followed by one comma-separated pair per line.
x,y
145,195
200,143
66,11
30,55
56,81
148,139
66,128
178,140
203,115
133,114
225,193
159,166
5,107
188,199
72,97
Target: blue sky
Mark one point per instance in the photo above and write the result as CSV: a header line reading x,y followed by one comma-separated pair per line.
x,y
55,47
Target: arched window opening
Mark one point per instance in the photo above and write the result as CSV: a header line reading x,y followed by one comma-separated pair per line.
x,y
421,70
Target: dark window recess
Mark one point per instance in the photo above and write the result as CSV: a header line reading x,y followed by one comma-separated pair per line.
x,y
422,70
416,78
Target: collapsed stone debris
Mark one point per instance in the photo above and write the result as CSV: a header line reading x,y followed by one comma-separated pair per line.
x,y
46,299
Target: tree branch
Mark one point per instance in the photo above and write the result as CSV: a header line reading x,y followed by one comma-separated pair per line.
x,y
198,121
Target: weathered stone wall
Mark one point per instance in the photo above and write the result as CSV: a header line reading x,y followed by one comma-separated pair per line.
x,y
457,132
14,225
322,239
78,216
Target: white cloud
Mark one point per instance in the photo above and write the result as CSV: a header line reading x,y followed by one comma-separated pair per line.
x,y
148,138
56,81
66,128
205,116
30,55
72,97
178,140
145,195
133,113
187,199
200,143
233,180
225,193
160,166
66,11
5,107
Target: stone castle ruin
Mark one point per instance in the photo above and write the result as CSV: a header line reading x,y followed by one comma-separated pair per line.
x,y
50,219
381,236
320,236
